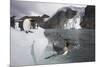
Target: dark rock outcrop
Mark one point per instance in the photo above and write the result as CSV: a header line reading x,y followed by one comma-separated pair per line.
x,y
58,19
34,19
89,18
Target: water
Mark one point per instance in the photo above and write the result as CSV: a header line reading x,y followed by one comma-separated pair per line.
x,y
22,50
81,50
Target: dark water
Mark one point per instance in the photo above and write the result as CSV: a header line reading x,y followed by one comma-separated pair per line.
x,y
82,49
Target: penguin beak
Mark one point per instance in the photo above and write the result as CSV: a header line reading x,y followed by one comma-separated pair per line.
x,y
65,53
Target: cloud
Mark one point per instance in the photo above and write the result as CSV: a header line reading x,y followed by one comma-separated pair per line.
x,y
23,8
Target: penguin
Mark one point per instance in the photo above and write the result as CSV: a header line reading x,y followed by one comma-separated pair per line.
x,y
59,50
66,50
12,21
17,26
27,25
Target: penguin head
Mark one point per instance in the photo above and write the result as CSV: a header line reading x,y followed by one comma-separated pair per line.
x,y
61,49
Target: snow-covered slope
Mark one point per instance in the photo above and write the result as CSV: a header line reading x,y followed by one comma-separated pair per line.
x,y
40,44
21,48
27,49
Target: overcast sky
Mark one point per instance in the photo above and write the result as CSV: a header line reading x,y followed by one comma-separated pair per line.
x,y
31,8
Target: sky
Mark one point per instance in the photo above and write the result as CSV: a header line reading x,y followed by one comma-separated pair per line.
x,y
32,8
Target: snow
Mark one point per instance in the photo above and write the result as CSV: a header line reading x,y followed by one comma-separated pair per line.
x,y
22,44
21,48
40,44
73,23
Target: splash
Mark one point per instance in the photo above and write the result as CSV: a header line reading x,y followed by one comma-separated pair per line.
x,y
74,23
